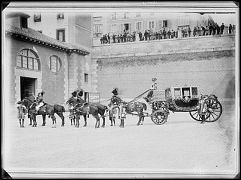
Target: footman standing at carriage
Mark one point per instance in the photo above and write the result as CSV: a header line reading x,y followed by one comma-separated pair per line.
x,y
150,93
22,111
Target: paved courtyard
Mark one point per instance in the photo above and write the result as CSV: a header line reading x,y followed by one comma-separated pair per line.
x,y
180,145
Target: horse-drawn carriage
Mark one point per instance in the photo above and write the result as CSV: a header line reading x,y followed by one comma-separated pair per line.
x,y
184,99
204,108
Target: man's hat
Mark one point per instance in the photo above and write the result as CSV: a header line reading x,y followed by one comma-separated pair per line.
x,y
74,93
19,102
154,79
115,91
81,92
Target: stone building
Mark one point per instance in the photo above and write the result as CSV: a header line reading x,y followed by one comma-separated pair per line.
x,y
34,62
118,22
70,27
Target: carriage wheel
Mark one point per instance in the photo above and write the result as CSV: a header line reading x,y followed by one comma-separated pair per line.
x,y
214,110
196,116
159,117
213,113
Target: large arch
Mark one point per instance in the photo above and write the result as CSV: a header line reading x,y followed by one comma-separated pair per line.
x,y
28,75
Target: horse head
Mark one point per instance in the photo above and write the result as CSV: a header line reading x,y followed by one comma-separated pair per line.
x,y
27,102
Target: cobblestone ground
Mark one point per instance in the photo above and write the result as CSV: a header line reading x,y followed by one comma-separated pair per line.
x,y
180,145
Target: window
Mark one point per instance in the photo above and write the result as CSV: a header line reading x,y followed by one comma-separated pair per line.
x,y
164,23
86,77
113,16
37,17
177,92
151,24
24,22
186,91
113,28
194,91
54,63
125,15
60,16
138,26
28,59
98,28
61,35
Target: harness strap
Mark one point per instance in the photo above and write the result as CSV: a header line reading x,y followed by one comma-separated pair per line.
x,y
138,97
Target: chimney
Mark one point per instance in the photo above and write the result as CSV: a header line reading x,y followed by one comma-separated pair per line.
x,y
17,19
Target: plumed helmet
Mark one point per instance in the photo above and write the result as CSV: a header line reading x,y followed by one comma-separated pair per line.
x,y
19,102
41,93
115,91
74,93
154,79
81,92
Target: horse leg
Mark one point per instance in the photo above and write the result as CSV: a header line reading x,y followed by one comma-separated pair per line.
x,y
53,120
103,123
97,123
60,114
139,122
34,121
30,120
44,119
85,120
77,121
22,122
111,121
122,123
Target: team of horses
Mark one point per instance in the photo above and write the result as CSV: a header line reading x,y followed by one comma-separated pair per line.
x,y
78,107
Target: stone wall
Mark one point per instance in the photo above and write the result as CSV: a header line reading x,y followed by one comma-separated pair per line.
x,y
207,62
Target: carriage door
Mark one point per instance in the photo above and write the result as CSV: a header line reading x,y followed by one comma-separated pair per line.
x,y
86,96
27,86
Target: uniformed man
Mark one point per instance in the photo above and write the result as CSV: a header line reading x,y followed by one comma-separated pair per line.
x,y
114,105
40,101
150,93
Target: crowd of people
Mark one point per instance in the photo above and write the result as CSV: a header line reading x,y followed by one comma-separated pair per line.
x,y
165,33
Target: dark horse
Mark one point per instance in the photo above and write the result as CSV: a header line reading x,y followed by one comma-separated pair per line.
x,y
81,108
49,110
134,108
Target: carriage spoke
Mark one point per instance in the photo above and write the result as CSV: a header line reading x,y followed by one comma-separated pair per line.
x,y
212,116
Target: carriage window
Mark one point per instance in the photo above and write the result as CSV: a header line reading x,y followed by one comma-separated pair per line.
x,y
177,92
186,91
54,63
28,59
194,91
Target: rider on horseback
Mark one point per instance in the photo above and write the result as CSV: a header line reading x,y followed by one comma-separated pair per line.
x,y
79,94
40,101
115,99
